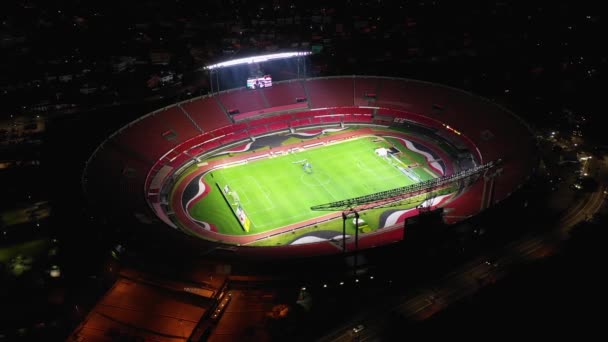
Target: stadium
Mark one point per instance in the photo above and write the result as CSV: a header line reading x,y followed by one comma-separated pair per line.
x,y
311,166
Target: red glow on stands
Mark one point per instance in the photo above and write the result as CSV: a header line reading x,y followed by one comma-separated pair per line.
x,y
143,147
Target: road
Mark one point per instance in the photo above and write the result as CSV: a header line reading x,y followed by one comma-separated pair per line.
x,y
467,279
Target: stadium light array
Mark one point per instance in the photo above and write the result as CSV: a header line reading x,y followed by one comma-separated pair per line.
x,y
406,191
257,59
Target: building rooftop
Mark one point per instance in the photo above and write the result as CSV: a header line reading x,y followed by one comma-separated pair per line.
x,y
144,308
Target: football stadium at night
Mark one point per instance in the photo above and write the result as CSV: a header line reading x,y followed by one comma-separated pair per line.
x,y
311,166
284,170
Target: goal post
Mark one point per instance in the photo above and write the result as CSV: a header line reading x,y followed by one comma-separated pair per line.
x,y
382,152
235,197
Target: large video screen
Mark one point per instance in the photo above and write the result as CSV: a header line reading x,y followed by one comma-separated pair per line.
x,y
259,82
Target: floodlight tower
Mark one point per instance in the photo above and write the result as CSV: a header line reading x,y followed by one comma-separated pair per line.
x,y
345,215
251,60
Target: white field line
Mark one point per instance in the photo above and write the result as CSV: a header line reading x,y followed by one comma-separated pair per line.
x,y
430,172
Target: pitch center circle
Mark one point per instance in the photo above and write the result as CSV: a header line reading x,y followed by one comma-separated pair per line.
x,y
316,178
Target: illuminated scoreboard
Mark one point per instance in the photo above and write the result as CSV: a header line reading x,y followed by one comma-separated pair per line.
x,y
259,82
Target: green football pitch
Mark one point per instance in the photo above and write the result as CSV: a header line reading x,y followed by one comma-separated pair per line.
x,y
278,191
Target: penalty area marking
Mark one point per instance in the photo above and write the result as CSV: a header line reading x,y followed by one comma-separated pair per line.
x,y
243,197
270,203
364,167
374,171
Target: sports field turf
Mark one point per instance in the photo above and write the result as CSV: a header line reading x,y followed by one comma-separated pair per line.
x,y
277,191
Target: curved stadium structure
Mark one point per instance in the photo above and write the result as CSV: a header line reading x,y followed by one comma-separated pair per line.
x,y
244,169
